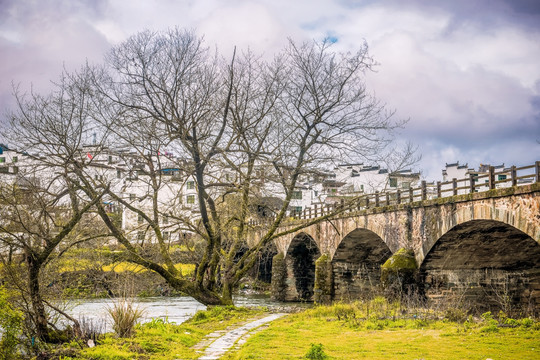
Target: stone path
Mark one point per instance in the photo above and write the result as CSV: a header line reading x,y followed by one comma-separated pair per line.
x,y
225,340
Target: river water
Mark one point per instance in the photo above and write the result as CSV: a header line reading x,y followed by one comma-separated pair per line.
x,y
173,309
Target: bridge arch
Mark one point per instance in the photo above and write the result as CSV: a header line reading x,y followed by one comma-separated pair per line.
x,y
487,263
262,270
356,264
510,211
300,266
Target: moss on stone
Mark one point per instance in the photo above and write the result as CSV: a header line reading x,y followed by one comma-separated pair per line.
x,y
399,271
323,280
402,259
279,277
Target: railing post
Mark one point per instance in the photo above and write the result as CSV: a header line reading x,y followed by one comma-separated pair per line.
x,y
342,204
387,199
316,210
537,171
439,195
491,177
411,194
376,199
513,175
309,212
471,183
398,196
424,190
454,186
367,201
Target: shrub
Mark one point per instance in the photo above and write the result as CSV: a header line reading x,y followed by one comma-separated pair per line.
x,y
455,315
526,322
11,325
125,316
492,325
316,352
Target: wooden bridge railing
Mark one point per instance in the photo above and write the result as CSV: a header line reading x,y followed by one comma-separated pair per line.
x,y
513,176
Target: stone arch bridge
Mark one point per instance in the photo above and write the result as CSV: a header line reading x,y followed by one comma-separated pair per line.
x,y
481,247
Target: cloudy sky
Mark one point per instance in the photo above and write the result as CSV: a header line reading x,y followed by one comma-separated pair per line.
x,y
465,72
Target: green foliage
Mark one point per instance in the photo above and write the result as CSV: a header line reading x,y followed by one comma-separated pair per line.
x,y
316,352
125,316
10,324
490,324
158,323
110,353
526,322
344,312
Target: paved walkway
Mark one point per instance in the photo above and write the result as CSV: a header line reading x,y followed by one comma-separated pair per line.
x,y
223,343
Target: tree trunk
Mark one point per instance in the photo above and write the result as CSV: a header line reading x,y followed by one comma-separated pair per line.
x,y
226,293
199,293
39,316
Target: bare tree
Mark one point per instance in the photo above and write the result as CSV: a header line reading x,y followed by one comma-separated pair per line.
x,y
43,212
241,129
230,122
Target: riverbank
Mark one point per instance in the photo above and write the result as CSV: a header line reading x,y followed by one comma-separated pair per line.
x,y
370,330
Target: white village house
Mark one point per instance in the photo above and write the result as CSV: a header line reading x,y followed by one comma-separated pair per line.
x,y
127,175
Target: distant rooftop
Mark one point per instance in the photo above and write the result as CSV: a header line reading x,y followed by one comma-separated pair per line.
x,y
456,164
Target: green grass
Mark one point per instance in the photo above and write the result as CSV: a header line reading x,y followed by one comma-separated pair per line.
x,y
160,339
77,260
123,266
347,332
370,330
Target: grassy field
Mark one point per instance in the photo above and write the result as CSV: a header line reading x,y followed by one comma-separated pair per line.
x,y
346,332
372,330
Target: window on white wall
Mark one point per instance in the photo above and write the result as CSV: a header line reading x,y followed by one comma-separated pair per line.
x,y
297,195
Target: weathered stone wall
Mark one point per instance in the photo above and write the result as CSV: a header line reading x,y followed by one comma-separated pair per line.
x,y
323,290
485,289
279,277
355,281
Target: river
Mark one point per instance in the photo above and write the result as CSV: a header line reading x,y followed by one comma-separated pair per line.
x,y
173,309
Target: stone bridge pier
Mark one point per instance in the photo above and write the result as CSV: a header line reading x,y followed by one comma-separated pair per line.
x,y
481,250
